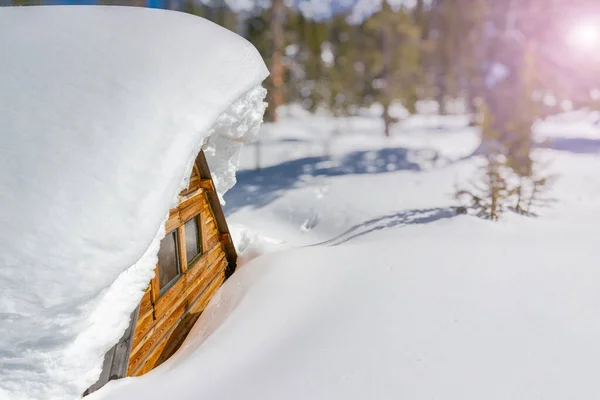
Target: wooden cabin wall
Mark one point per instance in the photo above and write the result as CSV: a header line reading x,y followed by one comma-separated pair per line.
x,y
164,321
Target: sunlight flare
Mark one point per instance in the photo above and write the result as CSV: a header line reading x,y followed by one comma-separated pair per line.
x,y
585,35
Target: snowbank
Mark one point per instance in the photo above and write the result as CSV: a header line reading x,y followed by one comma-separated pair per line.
x,y
103,111
419,313
398,297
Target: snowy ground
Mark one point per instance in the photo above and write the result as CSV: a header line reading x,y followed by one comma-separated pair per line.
x,y
375,289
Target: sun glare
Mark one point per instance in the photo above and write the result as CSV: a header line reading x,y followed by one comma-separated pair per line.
x,y
585,35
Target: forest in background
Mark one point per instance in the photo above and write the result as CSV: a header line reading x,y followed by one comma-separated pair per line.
x,y
351,55
507,62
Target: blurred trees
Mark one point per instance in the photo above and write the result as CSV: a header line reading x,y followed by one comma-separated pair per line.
x,y
510,62
511,56
507,57
392,50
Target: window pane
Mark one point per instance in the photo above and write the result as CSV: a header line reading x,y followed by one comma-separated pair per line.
x,y
192,239
168,261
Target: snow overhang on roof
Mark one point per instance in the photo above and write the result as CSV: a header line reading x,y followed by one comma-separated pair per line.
x,y
102,112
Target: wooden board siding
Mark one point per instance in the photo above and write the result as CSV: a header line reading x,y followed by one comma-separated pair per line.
x,y
213,200
161,323
164,321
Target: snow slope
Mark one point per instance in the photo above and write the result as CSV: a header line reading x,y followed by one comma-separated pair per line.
x,y
103,111
377,290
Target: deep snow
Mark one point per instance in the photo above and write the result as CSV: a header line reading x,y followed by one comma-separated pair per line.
x,y
374,288
103,111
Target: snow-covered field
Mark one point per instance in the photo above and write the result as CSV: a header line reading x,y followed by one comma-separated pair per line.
x,y
360,282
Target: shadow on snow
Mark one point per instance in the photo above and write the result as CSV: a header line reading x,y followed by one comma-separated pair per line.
x,y
404,218
572,145
259,188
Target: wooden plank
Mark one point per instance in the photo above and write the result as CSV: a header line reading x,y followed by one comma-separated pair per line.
x,y
146,302
145,322
213,240
115,360
123,350
142,353
185,193
177,338
149,362
173,339
195,172
201,284
217,271
211,226
206,214
202,166
154,286
181,245
174,295
144,348
204,230
202,301
173,222
193,182
224,238
198,197
165,302
213,201
203,263
221,223
213,254
231,255
191,211
207,184
188,195
105,374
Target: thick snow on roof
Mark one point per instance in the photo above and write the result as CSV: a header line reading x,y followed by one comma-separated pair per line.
x,y
102,112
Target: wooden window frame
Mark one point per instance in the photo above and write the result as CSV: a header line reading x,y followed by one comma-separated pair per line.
x,y
184,266
180,268
191,263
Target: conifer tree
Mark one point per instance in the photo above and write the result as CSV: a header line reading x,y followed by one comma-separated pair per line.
x,y
394,38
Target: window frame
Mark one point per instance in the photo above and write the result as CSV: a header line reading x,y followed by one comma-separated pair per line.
x,y
180,272
183,264
191,263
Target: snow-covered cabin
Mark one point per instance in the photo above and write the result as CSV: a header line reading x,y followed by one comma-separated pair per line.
x,y
112,238
194,259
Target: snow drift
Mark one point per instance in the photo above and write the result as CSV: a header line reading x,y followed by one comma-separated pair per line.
x,y
103,110
388,318
395,296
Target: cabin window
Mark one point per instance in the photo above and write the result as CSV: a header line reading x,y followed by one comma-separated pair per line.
x,y
168,260
193,241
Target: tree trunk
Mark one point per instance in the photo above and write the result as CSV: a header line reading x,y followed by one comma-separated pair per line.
x,y
385,76
387,120
277,58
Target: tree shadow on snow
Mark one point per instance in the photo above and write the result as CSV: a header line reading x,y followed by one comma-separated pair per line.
x,y
259,188
572,145
404,218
